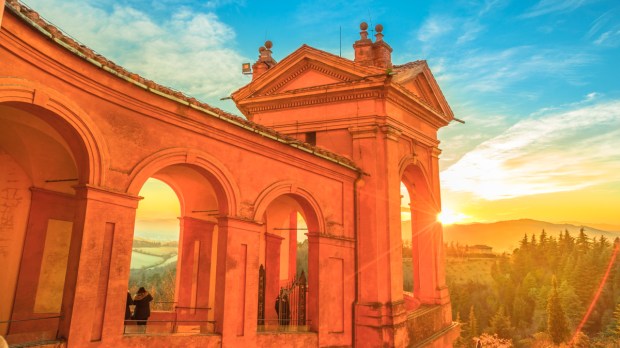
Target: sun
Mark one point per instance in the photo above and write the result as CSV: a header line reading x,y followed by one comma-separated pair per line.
x,y
449,216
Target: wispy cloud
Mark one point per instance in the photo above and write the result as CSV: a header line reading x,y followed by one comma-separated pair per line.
x,y
434,27
493,71
557,152
544,7
605,30
187,50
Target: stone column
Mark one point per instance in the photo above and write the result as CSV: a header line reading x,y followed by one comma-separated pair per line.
x,y
273,244
194,268
98,268
236,288
292,246
380,310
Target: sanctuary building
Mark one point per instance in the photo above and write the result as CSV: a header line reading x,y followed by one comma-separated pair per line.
x,y
325,140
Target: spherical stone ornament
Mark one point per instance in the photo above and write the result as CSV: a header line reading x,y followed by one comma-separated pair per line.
x,y
363,25
261,49
268,44
379,28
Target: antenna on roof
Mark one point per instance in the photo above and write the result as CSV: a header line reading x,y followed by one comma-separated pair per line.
x,y
340,41
370,20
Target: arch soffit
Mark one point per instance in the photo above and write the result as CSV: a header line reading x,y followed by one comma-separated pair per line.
x,y
271,193
28,92
165,158
409,165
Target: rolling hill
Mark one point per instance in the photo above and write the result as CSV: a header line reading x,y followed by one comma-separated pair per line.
x,y
504,236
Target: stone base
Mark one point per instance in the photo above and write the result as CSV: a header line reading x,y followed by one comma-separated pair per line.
x,y
427,327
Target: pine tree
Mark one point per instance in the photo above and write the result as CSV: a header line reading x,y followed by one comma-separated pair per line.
x,y
473,323
557,327
500,324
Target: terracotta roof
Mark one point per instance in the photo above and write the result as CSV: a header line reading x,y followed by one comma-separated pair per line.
x,y
410,65
34,19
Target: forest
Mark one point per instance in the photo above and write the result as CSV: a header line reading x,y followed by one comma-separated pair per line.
x,y
539,295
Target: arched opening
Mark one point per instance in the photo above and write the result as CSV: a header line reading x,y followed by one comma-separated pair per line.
x,y
180,272
156,244
406,234
42,159
419,226
287,266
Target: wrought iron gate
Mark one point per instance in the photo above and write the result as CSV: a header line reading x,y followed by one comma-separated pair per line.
x,y
290,304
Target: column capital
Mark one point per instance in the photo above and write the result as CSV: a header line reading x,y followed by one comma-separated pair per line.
x,y
391,132
239,223
95,193
364,131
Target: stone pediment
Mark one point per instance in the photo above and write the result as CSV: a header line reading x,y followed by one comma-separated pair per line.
x,y
417,79
305,74
305,68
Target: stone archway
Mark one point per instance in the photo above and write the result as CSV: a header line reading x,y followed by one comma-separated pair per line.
x,y
45,152
204,194
425,234
289,215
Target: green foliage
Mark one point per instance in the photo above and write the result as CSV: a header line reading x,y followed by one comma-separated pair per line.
x,y
521,284
557,327
500,324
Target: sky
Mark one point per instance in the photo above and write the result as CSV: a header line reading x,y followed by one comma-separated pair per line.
x,y
536,82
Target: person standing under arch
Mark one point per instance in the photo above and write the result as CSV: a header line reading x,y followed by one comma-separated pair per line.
x,y
142,312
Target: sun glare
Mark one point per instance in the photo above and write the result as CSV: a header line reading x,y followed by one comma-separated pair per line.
x,y
449,216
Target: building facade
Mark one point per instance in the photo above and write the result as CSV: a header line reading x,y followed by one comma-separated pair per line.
x,y
326,138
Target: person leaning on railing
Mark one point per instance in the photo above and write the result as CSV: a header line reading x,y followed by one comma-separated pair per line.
x,y
142,312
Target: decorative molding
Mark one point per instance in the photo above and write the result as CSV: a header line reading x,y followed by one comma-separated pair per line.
x,y
364,132
391,133
313,100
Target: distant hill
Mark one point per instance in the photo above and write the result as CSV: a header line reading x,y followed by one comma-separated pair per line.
x,y
504,236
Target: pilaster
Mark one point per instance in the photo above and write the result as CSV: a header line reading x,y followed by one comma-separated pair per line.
x,y
236,290
98,269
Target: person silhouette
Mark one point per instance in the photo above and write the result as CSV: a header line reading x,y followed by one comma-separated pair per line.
x,y
142,312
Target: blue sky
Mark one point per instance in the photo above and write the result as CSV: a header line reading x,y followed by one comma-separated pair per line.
x,y
537,82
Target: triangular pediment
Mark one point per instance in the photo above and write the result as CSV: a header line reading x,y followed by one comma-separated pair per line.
x,y
307,73
306,68
417,79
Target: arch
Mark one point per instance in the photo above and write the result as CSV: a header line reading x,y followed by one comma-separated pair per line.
x,y
218,174
280,188
14,90
413,173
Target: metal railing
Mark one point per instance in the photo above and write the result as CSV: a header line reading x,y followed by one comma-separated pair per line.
x,y
278,325
185,320
172,326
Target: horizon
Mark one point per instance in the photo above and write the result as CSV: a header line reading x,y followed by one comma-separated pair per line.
x,y
535,82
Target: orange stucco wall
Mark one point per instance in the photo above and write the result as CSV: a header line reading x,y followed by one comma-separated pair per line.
x,y
88,140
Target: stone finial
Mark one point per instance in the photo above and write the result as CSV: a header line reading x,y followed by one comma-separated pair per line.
x,y
379,34
363,32
264,61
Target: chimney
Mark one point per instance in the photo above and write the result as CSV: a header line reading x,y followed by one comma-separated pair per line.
x,y
367,53
381,50
363,47
264,62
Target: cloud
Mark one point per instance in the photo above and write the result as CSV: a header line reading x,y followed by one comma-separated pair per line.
x,y
493,71
557,152
605,30
544,7
435,27
189,51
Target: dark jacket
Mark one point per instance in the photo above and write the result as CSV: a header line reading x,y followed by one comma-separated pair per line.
x,y
127,309
143,308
